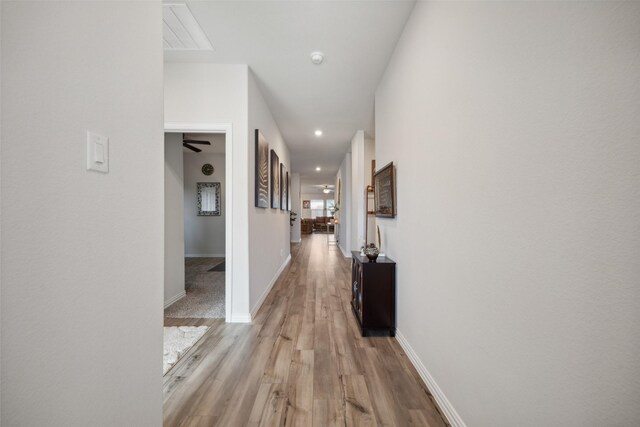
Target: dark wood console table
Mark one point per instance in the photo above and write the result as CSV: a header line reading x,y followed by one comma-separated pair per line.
x,y
373,294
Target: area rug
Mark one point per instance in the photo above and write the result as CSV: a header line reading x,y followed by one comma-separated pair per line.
x,y
205,291
177,341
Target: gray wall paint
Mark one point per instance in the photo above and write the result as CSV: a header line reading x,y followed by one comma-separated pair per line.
x,y
357,191
173,217
269,230
369,155
82,257
344,214
296,206
515,130
204,235
0,203
215,93
362,152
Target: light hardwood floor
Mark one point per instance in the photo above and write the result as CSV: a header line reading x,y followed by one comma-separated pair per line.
x,y
302,362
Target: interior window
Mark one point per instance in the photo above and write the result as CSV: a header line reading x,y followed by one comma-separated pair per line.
x,y
317,208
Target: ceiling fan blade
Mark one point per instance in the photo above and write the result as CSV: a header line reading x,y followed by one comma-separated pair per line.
x,y
193,141
197,150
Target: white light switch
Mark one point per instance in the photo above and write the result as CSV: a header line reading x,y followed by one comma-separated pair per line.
x,y
97,152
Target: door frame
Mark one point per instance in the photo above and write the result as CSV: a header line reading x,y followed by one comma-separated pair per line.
x,y
227,129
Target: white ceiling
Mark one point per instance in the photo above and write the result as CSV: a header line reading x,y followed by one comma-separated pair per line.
x,y
276,38
311,184
180,29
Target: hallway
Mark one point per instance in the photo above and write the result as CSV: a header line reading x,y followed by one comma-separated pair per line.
x,y
301,362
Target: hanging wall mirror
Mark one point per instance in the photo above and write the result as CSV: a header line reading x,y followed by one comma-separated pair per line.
x,y
208,199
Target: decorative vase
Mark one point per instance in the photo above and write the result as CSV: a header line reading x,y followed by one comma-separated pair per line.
x,y
371,252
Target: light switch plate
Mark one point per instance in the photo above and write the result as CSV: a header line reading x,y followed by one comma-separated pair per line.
x,y
97,152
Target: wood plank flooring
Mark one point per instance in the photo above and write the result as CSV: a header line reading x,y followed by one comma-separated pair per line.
x,y
302,362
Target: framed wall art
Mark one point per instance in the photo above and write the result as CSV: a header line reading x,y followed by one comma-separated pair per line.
x,y
289,208
385,192
262,171
275,180
283,187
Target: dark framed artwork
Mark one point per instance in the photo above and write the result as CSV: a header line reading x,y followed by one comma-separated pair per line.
x,y
385,192
275,180
283,187
306,204
209,199
289,208
262,171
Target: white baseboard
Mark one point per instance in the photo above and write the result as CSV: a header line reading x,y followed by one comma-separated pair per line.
x,y
256,307
204,255
345,253
174,299
445,405
297,241
240,318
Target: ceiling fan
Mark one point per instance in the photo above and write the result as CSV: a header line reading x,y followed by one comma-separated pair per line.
x,y
326,189
188,143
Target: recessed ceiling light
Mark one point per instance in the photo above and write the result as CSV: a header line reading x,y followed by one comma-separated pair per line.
x,y
318,169
317,57
318,132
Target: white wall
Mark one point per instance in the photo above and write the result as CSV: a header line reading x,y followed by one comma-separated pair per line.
x,y
0,203
369,155
82,257
173,218
269,229
362,152
344,214
214,93
357,190
203,235
514,127
296,206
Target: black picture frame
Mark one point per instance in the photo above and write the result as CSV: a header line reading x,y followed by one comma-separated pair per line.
x,y
283,187
275,180
385,192
289,207
261,171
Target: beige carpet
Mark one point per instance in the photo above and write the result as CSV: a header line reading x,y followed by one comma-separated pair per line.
x,y
177,341
205,291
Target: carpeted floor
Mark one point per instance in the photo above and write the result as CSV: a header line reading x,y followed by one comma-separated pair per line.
x,y
219,267
205,291
177,341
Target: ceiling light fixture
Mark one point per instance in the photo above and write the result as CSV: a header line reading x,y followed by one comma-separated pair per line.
x,y
317,57
326,190
318,169
318,132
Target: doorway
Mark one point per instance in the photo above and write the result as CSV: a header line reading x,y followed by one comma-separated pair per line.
x,y
203,245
